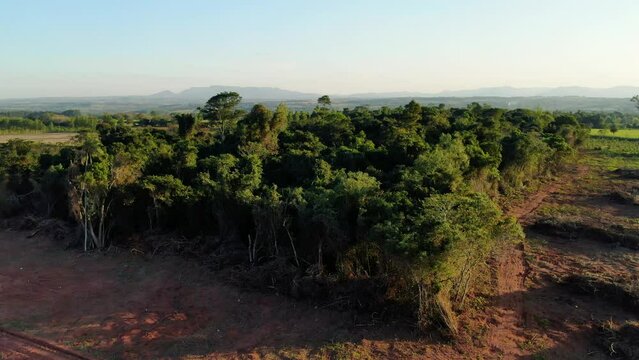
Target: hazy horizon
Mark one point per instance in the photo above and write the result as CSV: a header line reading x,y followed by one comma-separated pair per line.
x,y
118,48
461,93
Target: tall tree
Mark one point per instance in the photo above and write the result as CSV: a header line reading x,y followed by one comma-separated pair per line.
x,y
186,124
412,114
263,126
220,110
635,99
324,101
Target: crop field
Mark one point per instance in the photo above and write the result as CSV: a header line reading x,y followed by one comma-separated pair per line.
x,y
48,138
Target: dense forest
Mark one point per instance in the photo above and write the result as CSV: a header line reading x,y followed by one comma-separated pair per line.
x,y
402,204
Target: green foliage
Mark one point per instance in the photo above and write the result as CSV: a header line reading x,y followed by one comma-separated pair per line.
x,y
525,156
440,170
397,196
227,177
165,191
186,124
324,100
220,111
47,122
263,126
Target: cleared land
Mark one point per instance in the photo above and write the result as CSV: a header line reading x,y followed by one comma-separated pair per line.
x,y
570,291
49,138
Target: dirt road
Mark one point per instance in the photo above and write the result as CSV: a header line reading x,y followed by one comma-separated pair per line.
x,y
505,338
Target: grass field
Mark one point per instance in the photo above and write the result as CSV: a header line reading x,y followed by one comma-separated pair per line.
x,y
622,133
612,151
48,138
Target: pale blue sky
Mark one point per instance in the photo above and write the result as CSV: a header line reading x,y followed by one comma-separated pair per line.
x,y
125,47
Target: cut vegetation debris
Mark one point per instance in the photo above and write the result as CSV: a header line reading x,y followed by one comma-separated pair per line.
x,y
575,229
627,173
623,292
619,341
626,195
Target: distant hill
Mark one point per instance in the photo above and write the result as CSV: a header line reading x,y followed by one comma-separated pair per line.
x,y
561,98
614,92
507,91
201,94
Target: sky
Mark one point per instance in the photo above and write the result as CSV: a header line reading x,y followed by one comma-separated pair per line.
x,y
139,47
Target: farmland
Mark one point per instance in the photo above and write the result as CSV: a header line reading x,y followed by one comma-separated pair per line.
x,y
621,133
47,138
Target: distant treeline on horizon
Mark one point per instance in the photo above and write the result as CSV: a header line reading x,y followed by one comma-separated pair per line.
x,y
76,120
147,104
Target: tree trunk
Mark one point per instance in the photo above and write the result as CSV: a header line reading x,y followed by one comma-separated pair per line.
x,y
86,220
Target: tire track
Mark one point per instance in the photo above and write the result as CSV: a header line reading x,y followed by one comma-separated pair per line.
x,y
511,271
19,346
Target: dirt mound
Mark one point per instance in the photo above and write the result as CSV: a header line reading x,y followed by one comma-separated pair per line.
x,y
625,193
573,229
622,291
627,173
620,342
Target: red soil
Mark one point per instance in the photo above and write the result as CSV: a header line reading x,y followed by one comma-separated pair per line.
x,y
506,337
125,306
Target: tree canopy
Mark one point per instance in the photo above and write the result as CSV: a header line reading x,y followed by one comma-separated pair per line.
x,y
324,100
220,110
405,199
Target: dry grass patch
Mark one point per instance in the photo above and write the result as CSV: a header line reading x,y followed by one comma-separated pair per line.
x,y
47,138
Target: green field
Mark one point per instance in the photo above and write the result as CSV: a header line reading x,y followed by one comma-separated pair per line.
x,y
612,151
622,133
48,138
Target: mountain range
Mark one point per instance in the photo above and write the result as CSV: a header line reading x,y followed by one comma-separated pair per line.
x,y
273,94
559,98
248,92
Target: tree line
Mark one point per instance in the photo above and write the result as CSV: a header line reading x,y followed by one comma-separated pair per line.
x,y
402,202
73,120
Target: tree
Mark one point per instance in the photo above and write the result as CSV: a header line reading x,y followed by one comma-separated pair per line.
x,y
324,101
186,124
164,191
438,171
230,184
220,110
412,114
614,127
89,180
635,99
400,202
263,126
92,178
